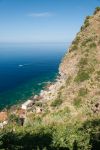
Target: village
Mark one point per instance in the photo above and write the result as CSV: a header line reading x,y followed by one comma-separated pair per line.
x,y
20,113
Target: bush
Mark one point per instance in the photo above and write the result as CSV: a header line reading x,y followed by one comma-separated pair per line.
x,y
86,41
72,136
68,81
56,102
96,10
92,45
82,92
77,102
74,47
98,72
13,118
82,62
86,23
82,76
76,41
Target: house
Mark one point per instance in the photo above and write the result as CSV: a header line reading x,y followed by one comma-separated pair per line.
x,y
3,119
27,104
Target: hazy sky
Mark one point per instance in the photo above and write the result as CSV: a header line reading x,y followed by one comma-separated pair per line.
x,y
43,20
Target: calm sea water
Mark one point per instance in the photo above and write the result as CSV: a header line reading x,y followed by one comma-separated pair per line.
x,y
24,69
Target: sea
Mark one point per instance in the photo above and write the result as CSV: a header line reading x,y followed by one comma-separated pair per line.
x,y
25,69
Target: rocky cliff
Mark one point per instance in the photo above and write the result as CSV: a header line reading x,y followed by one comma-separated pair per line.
x,y
67,114
78,87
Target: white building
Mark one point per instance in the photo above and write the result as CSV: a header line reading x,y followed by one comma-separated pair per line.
x,y
27,104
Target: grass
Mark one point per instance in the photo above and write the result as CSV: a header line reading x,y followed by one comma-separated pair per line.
x,y
56,102
68,81
86,23
86,41
74,47
82,92
98,72
93,45
77,102
68,136
83,62
76,41
82,76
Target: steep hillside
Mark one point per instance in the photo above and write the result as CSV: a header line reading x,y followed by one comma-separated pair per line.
x,y
70,107
78,88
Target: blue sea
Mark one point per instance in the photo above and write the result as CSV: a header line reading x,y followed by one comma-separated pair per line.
x,y
25,69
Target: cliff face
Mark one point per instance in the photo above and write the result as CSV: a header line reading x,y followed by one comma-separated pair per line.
x,y
67,114
78,87
81,66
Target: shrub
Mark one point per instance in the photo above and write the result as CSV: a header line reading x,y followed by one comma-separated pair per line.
x,y
93,45
56,102
77,102
68,80
75,44
13,118
82,62
82,76
67,136
86,41
82,92
76,41
86,23
96,10
82,28
98,72
74,47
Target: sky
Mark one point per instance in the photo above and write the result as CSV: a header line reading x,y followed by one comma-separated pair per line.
x,y
30,21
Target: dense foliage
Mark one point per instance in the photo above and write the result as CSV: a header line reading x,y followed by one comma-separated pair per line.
x,y
78,136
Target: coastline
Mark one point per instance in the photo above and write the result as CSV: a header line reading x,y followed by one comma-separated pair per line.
x,y
34,97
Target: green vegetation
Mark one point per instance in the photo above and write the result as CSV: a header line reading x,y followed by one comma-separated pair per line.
x,y
87,41
98,72
75,44
97,10
82,92
76,41
56,102
74,47
83,62
93,45
98,76
86,23
68,80
82,76
76,136
13,118
72,121
77,102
